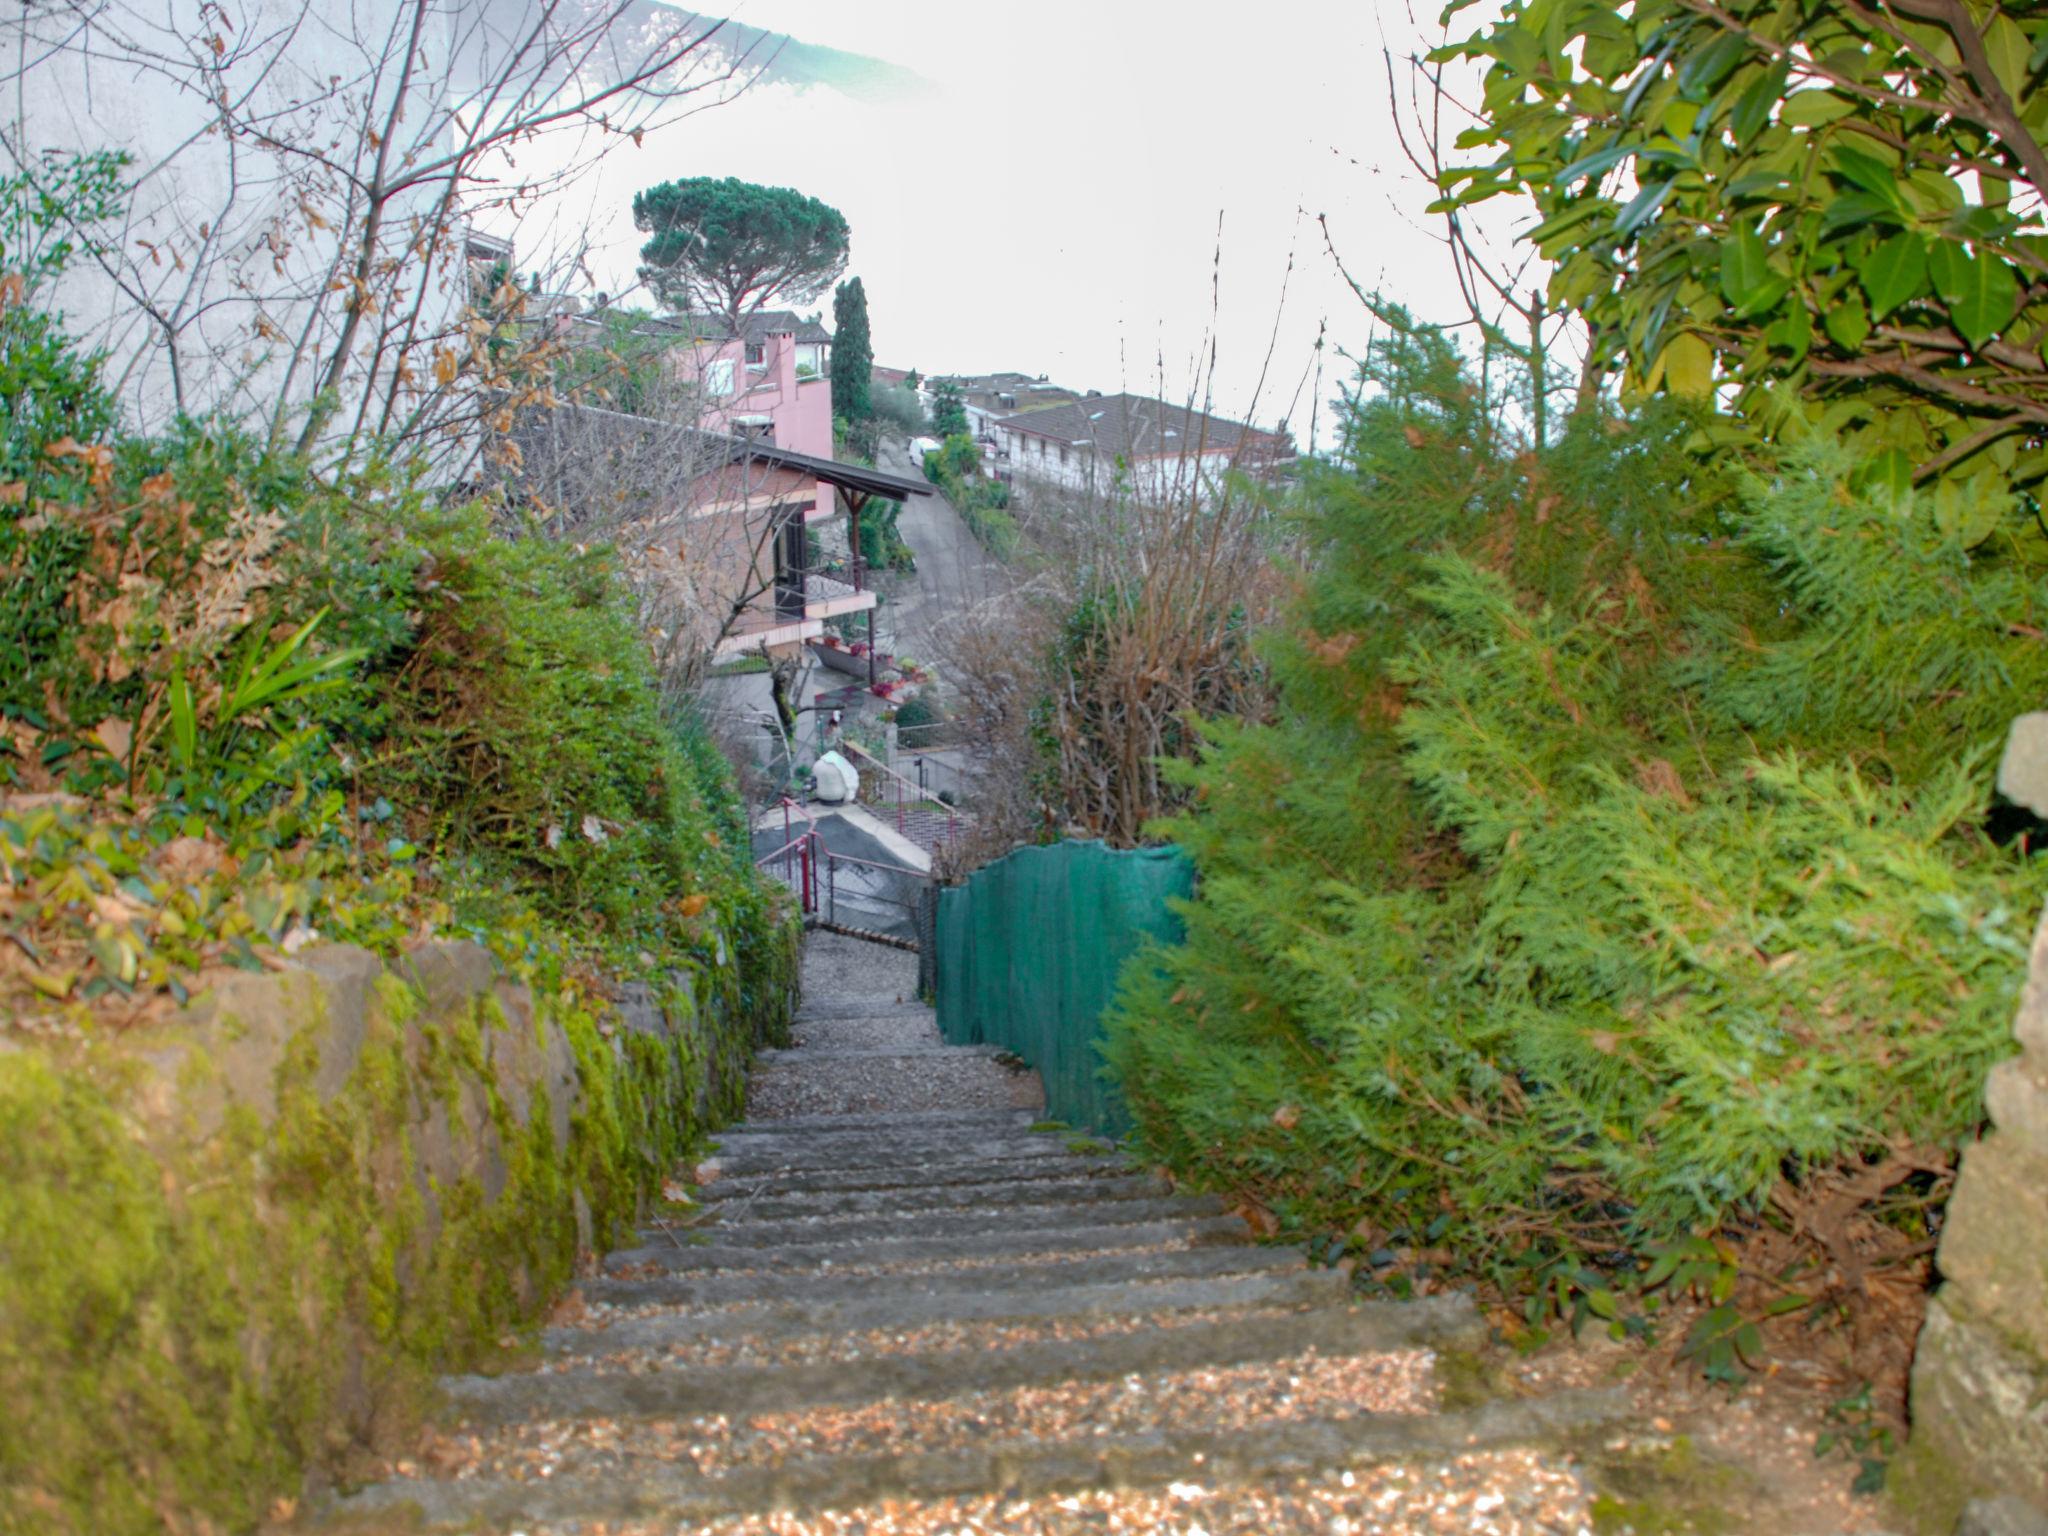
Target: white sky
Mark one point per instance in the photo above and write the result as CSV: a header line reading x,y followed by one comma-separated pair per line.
x,y
1052,204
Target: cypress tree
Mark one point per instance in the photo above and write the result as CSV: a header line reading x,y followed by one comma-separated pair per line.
x,y
853,356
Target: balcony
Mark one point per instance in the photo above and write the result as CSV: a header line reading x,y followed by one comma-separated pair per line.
x,y
820,592
796,608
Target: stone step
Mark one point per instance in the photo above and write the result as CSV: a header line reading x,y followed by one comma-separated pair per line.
x,y
863,1010
1032,1169
672,1491
763,1204
986,1219
897,1308
912,1122
1051,1270
870,1084
927,1251
570,1393
842,1154
803,1057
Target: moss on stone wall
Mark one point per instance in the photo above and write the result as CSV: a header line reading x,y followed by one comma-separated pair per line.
x,y
207,1296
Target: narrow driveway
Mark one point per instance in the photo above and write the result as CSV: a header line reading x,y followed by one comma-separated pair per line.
x,y
954,573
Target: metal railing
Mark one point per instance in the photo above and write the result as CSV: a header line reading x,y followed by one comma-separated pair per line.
x,y
928,822
862,896
871,898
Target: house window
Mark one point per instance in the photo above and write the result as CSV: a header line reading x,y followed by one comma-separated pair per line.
x,y
1063,453
718,377
757,352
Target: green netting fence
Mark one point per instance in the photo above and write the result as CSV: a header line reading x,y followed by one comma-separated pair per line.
x,y
1028,954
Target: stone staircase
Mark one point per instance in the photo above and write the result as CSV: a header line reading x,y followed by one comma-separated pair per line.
x,y
900,1305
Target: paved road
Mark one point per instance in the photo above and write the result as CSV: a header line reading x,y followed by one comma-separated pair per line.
x,y
954,573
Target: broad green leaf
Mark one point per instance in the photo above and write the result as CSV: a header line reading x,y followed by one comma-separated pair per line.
x,y
1887,478
1931,193
1687,366
1793,331
1755,183
1814,108
1753,106
1868,172
1894,273
1980,224
1745,266
1980,290
1858,207
1574,215
1641,208
1847,322
1518,48
1707,66
1967,510
1598,163
2009,50
1680,118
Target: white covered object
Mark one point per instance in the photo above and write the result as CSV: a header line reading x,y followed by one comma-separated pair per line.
x,y
838,780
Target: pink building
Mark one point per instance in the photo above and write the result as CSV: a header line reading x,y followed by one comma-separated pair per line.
x,y
772,380
762,394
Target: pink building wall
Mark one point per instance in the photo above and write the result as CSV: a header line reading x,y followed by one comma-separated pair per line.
x,y
800,409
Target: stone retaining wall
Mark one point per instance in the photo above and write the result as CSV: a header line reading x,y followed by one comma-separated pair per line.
x,y
1980,1374
235,1249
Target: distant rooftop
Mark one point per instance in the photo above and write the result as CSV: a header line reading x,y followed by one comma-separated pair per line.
x,y
758,326
1137,426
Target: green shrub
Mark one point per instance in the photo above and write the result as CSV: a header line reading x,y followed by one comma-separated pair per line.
x,y
1614,872
955,468
920,723
897,406
525,730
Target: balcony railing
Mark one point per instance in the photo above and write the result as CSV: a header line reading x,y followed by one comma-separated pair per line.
x,y
797,592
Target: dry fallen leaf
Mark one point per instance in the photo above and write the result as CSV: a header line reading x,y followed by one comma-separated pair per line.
x,y
116,735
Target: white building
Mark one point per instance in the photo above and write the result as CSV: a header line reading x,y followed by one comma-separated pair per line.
x,y
1150,446
303,184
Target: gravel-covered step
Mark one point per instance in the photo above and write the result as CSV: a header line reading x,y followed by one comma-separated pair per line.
x,y
888,1251
912,1121
667,1485
1050,1268
868,1152
1012,1215
826,1012
804,1058
996,1189
570,1391
1129,1303
894,1178
853,1086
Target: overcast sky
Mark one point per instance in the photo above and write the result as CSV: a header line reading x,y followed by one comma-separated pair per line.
x,y
1048,199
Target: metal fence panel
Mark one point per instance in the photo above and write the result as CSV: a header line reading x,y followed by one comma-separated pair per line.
x,y
1028,954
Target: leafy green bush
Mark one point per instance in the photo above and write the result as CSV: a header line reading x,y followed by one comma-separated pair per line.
x,y
313,679
920,723
955,468
898,406
525,730
1615,870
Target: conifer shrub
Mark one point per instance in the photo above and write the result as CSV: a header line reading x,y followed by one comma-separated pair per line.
x,y
1613,873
